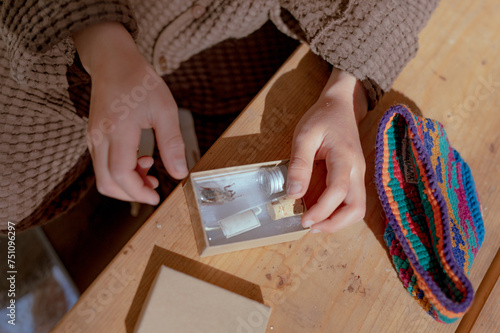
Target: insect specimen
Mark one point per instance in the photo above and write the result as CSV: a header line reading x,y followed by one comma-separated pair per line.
x,y
216,195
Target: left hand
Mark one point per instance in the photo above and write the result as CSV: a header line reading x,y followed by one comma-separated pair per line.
x,y
116,116
328,131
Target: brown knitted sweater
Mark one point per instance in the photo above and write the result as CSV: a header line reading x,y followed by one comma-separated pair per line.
x,y
43,112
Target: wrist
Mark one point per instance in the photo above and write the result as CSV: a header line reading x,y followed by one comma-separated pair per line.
x,y
102,44
343,85
360,97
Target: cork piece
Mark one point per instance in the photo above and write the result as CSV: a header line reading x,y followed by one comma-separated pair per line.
x,y
285,207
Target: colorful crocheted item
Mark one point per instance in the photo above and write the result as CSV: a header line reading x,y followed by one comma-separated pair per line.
x,y
434,225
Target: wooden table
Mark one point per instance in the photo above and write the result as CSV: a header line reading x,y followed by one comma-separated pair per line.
x,y
342,282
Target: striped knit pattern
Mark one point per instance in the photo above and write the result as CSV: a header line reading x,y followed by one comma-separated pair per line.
x,y
434,224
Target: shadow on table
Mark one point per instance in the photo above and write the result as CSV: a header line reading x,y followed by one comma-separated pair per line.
x,y
160,256
289,97
285,103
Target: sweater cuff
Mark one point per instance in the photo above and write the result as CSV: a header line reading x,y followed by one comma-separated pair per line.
x,y
40,49
374,43
372,40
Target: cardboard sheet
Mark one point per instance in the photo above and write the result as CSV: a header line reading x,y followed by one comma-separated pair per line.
x,y
181,303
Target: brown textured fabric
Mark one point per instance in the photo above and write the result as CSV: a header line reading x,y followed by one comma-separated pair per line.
x,y
232,72
216,84
44,97
372,39
42,142
37,35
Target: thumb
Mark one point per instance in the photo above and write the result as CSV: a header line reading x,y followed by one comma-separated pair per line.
x,y
171,146
300,166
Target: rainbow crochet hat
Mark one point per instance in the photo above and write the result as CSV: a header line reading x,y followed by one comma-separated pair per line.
x,y
434,225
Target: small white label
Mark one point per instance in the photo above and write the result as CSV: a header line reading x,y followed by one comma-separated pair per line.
x,y
237,224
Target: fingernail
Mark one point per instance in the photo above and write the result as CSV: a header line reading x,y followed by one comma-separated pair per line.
x,y
181,167
153,182
294,188
146,163
315,231
307,224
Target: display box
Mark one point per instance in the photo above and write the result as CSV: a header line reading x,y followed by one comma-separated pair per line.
x,y
178,302
243,207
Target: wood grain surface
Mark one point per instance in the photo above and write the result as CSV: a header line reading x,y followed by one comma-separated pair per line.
x,y
342,282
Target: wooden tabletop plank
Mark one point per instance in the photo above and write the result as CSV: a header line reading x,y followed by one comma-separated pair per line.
x,y
343,281
489,319
485,313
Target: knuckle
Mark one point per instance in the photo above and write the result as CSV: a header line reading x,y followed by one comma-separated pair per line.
x,y
329,226
94,137
361,165
104,188
167,101
118,174
170,105
299,163
175,142
362,169
342,187
301,134
359,211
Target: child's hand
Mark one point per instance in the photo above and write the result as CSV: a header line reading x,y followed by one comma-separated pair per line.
x,y
127,96
328,131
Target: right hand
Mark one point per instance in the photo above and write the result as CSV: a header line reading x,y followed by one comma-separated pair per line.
x,y
127,96
328,131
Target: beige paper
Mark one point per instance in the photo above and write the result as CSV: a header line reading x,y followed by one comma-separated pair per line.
x,y
178,303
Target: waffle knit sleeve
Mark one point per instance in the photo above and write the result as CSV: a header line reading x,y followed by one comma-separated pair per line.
x,y
371,39
37,35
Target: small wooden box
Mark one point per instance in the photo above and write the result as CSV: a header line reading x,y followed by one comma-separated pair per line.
x,y
214,196
178,302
